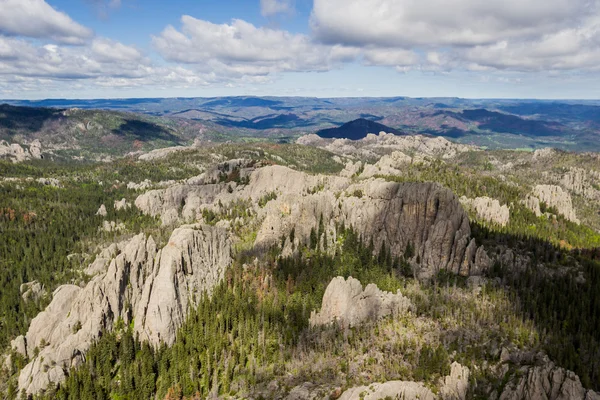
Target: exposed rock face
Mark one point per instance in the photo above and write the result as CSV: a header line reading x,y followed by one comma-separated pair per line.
x,y
391,389
307,391
152,287
488,209
424,215
556,197
346,303
121,204
545,380
31,290
546,152
453,387
102,211
35,149
456,384
425,146
581,182
533,203
49,182
387,165
112,226
16,153
145,184
351,169
159,154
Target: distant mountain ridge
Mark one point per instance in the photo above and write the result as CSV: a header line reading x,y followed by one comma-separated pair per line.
x,y
356,129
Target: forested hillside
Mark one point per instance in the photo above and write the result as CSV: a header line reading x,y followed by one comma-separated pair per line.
x,y
529,288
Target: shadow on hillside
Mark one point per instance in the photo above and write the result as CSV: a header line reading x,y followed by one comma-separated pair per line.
x,y
144,131
560,291
23,120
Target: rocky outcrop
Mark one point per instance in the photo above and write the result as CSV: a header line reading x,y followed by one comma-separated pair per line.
x,y
555,196
488,209
544,153
49,182
532,203
122,204
351,169
144,185
35,149
308,391
581,182
159,154
375,144
452,387
112,226
456,384
544,380
424,216
390,164
150,288
347,304
31,291
16,153
101,211
391,389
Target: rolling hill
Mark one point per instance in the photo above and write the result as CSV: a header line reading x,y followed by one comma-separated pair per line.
x,y
357,129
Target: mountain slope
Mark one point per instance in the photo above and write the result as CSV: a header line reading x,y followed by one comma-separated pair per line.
x,y
357,129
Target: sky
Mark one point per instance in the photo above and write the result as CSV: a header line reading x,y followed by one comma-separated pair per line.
x,y
322,48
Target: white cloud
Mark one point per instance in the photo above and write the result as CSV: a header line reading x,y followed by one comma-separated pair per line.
x,y
272,7
24,65
391,57
108,50
37,19
241,49
407,23
473,35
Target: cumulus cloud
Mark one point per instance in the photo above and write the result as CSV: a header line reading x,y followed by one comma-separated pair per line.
x,y
272,7
243,49
27,66
566,49
107,50
515,35
37,19
440,22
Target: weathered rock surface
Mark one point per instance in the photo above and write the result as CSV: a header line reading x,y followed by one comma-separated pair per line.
x,y
533,203
541,154
112,226
488,209
16,153
555,196
101,211
122,204
152,287
456,384
307,391
49,182
351,169
145,184
31,290
452,387
424,215
159,154
372,144
581,182
347,304
388,165
544,380
391,389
